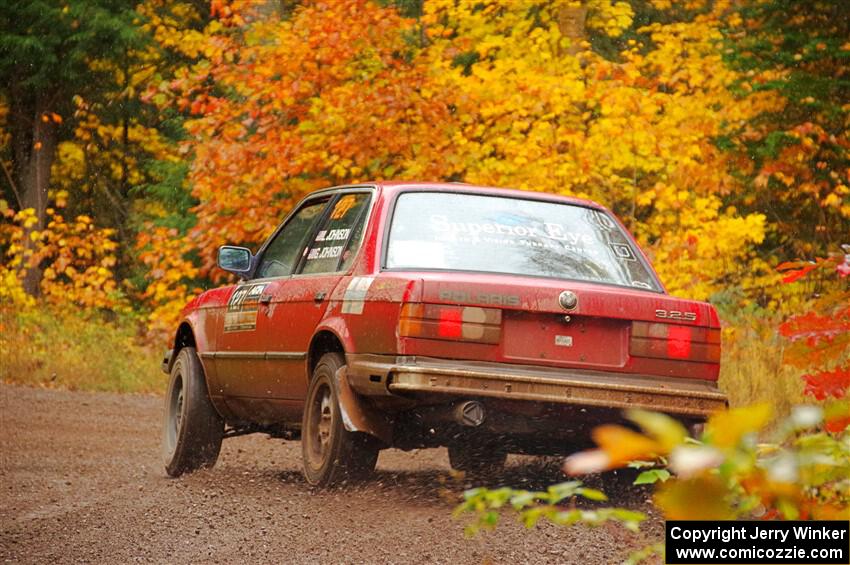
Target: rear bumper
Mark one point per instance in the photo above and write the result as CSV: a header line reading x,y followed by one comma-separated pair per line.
x,y
387,375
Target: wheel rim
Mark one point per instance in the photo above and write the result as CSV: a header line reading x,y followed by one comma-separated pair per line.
x,y
175,413
320,426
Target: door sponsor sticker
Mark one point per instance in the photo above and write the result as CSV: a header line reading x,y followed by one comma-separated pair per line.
x,y
241,314
461,296
355,295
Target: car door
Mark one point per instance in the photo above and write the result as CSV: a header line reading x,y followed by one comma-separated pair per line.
x,y
299,303
241,351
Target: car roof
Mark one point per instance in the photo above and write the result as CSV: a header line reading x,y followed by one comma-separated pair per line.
x,y
391,188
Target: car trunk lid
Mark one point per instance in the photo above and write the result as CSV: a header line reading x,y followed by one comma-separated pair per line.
x,y
609,327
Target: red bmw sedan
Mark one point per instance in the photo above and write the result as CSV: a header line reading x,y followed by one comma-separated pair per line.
x,y
409,315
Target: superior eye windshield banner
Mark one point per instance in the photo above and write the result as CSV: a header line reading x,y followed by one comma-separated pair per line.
x,y
696,542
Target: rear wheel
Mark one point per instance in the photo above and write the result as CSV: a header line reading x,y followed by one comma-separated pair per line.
x,y
193,430
332,454
477,460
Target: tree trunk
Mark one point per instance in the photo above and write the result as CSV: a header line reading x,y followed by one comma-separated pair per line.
x,y
571,20
34,140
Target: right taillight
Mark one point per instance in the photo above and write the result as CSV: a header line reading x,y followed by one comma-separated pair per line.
x,y
671,341
447,322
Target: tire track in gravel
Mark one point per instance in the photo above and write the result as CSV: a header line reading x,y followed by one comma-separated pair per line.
x,y
81,481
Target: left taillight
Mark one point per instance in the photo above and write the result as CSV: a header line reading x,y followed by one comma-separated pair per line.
x,y
678,342
447,322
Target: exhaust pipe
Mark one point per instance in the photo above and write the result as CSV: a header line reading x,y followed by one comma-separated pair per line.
x,y
470,413
697,429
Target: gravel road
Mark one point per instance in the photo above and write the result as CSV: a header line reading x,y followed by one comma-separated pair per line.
x,y
82,482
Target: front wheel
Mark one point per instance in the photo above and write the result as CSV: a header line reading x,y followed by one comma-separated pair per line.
x,y
193,430
332,454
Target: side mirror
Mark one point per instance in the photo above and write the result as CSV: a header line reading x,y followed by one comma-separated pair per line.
x,y
236,260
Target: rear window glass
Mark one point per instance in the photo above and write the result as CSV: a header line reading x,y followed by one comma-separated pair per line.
x,y
470,232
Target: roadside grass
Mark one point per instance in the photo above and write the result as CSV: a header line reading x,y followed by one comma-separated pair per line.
x,y
751,368
55,348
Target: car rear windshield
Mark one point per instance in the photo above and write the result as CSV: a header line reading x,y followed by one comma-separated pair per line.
x,y
473,232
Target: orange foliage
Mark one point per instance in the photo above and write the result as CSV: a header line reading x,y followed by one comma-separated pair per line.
x,y
820,340
329,95
170,277
824,384
348,90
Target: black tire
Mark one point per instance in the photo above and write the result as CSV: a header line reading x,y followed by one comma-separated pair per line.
x,y
193,430
331,454
477,460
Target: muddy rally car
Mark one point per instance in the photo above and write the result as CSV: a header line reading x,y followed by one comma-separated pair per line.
x,y
411,315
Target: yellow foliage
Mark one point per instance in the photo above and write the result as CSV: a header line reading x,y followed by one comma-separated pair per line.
x,y
78,256
666,431
726,429
609,16
726,474
11,290
635,135
169,289
701,498
170,25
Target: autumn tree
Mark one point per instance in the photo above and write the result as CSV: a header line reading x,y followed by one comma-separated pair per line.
x,y
179,126
289,101
48,49
616,101
631,124
795,157
123,164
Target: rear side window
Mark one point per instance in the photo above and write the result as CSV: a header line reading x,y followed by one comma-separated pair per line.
x,y
335,244
471,232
